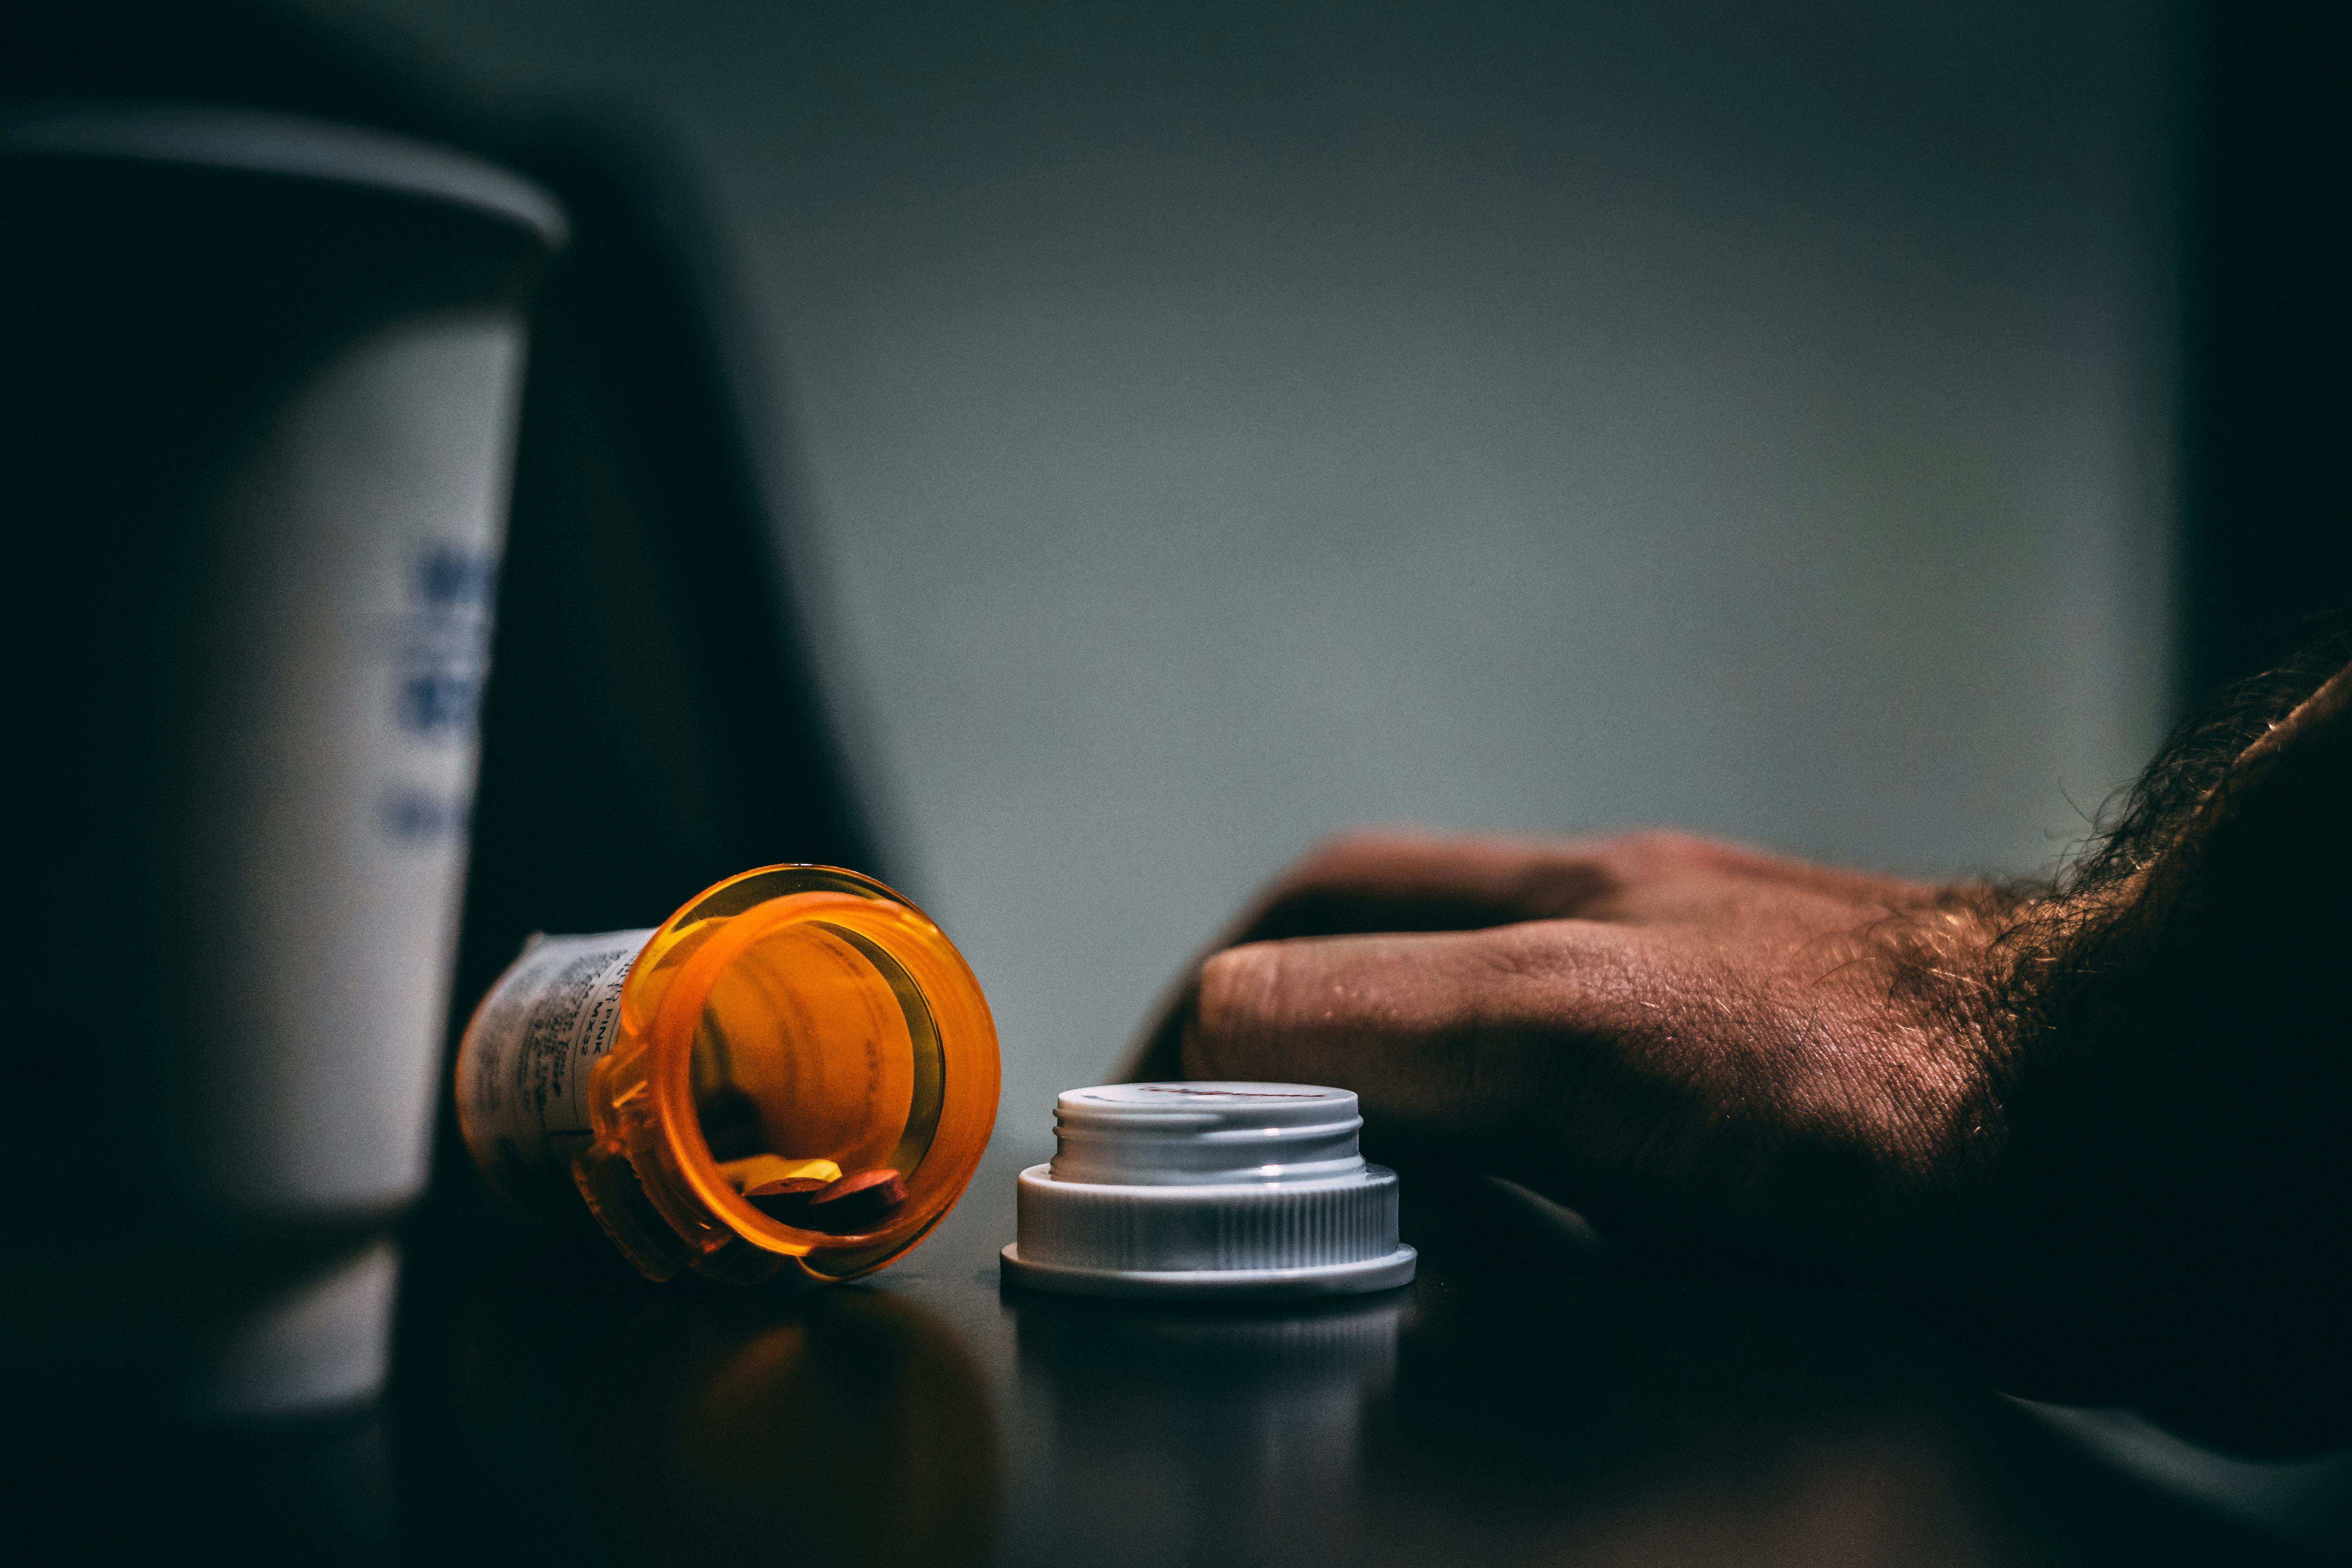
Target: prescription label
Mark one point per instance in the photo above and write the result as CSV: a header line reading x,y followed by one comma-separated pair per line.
x,y
522,1071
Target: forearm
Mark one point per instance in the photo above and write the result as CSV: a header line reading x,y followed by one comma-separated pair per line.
x,y
2180,1161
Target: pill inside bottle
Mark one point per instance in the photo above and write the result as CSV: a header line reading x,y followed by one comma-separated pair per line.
x,y
795,1074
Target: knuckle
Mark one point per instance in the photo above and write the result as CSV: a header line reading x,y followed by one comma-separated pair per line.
x,y
1653,855
1658,848
1336,854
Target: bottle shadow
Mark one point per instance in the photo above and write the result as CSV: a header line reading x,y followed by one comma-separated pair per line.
x,y
556,1412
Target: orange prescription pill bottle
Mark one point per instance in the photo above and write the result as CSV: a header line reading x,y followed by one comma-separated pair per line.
x,y
795,1074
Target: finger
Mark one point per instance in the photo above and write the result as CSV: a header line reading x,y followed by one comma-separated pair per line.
x,y
1378,880
1383,880
1459,1035
1405,881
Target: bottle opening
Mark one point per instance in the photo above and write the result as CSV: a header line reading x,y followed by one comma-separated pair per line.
x,y
817,1062
820,1063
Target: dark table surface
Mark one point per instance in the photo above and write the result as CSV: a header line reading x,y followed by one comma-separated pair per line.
x,y
1535,1396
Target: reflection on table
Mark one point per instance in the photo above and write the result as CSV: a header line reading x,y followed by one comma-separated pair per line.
x,y
1535,1397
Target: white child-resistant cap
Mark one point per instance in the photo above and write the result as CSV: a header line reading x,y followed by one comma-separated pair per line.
x,y
1201,1189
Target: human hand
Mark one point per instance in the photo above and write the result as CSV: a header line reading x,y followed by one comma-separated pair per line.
x,y
2094,1130
1674,1034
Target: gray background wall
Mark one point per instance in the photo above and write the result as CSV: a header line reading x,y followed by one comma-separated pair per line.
x,y
1224,426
